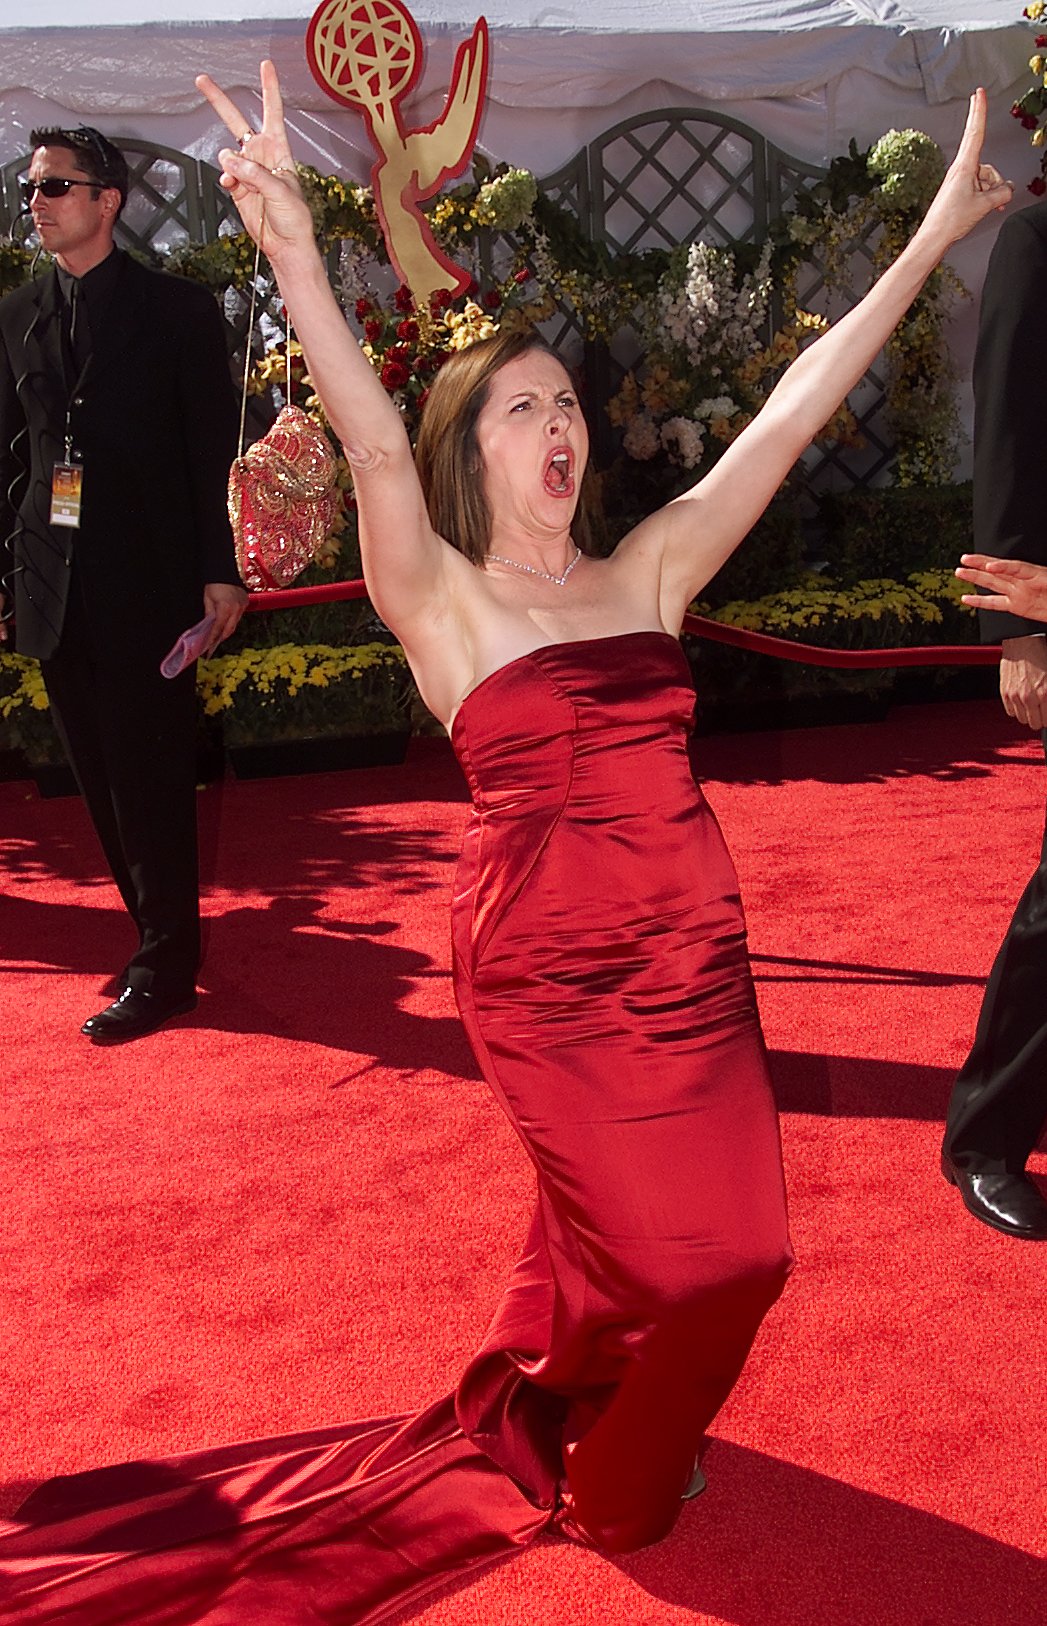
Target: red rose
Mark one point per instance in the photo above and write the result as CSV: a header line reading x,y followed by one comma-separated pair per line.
x,y
492,299
403,301
440,300
1016,111
1041,41
373,329
408,331
523,275
394,375
1038,187
363,309
399,354
1029,121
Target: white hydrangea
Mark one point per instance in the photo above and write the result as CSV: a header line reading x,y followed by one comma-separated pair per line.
x,y
712,313
717,406
682,439
641,437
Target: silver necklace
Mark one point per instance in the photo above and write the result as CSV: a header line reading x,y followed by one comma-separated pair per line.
x,y
546,575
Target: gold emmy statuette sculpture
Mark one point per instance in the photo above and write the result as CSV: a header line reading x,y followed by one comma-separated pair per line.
x,y
367,54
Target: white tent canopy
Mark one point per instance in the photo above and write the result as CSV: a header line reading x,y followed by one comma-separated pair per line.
x,y
808,73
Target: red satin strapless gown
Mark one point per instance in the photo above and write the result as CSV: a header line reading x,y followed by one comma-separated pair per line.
x,y
601,972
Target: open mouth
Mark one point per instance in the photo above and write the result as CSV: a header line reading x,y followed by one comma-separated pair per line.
x,y
558,477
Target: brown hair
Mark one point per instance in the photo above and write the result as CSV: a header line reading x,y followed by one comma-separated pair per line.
x,y
448,457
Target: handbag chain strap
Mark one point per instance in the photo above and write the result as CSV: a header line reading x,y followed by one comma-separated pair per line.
x,y
249,341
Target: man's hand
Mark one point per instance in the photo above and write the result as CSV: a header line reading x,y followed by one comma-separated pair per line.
x,y
227,603
1023,680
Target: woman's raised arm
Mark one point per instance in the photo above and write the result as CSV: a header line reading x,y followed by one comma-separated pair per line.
x,y
691,538
404,561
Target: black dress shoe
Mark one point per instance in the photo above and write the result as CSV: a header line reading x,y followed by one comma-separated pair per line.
x,y
696,1486
134,1014
1008,1202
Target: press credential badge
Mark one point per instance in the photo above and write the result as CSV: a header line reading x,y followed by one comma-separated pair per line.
x,y
67,481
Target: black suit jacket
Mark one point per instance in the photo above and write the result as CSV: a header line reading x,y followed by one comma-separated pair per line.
x,y
156,423
1010,515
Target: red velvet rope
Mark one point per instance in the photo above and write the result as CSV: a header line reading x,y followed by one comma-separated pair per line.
x,y
785,649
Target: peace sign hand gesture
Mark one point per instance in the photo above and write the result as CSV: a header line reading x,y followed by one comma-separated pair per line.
x,y
260,177
971,190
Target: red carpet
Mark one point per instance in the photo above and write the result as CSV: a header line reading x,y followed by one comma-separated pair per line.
x,y
298,1205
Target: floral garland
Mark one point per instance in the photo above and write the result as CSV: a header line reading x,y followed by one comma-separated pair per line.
x,y
708,367
702,312
1030,108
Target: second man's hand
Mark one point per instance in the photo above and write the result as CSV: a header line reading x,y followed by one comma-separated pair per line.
x,y
227,604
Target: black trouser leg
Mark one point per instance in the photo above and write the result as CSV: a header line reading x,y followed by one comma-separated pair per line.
x,y
131,739
999,1102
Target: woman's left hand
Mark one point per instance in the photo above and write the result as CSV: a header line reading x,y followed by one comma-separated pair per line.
x,y
260,177
1013,585
971,190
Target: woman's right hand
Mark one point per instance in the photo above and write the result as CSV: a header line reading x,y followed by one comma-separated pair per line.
x,y
260,175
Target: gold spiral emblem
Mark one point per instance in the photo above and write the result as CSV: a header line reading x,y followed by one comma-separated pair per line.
x,y
364,52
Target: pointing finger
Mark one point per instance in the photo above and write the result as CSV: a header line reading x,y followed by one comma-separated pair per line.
x,y
974,130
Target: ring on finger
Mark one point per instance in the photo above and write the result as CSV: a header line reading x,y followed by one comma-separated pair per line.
x,y
284,169
244,139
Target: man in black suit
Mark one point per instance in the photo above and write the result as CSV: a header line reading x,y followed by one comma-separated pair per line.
x,y
117,428
999,1103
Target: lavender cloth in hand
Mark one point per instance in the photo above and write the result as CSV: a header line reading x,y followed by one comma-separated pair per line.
x,y
188,647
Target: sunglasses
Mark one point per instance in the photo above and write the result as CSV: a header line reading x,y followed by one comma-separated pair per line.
x,y
52,186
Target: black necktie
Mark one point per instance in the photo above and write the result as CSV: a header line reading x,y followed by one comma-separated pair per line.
x,y
79,327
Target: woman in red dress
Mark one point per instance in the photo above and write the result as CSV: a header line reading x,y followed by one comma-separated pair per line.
x,y
600,970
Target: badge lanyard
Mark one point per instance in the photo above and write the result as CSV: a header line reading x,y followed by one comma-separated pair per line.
x,y
67,478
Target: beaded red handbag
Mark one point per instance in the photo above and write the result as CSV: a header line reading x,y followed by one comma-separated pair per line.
x,y
283,499
283,494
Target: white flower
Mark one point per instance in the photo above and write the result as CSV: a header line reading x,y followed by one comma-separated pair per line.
x,y
711,313
641,438
354,259
682,439
717,406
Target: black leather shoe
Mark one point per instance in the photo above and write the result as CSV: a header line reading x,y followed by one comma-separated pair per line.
x,y
1008,1202
696,1486
134,1014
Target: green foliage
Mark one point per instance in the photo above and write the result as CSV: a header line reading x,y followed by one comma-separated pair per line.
x,y
14,266
225,262
25,715
896,531
770,559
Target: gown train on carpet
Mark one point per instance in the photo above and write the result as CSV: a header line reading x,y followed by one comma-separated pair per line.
x,y
602,976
